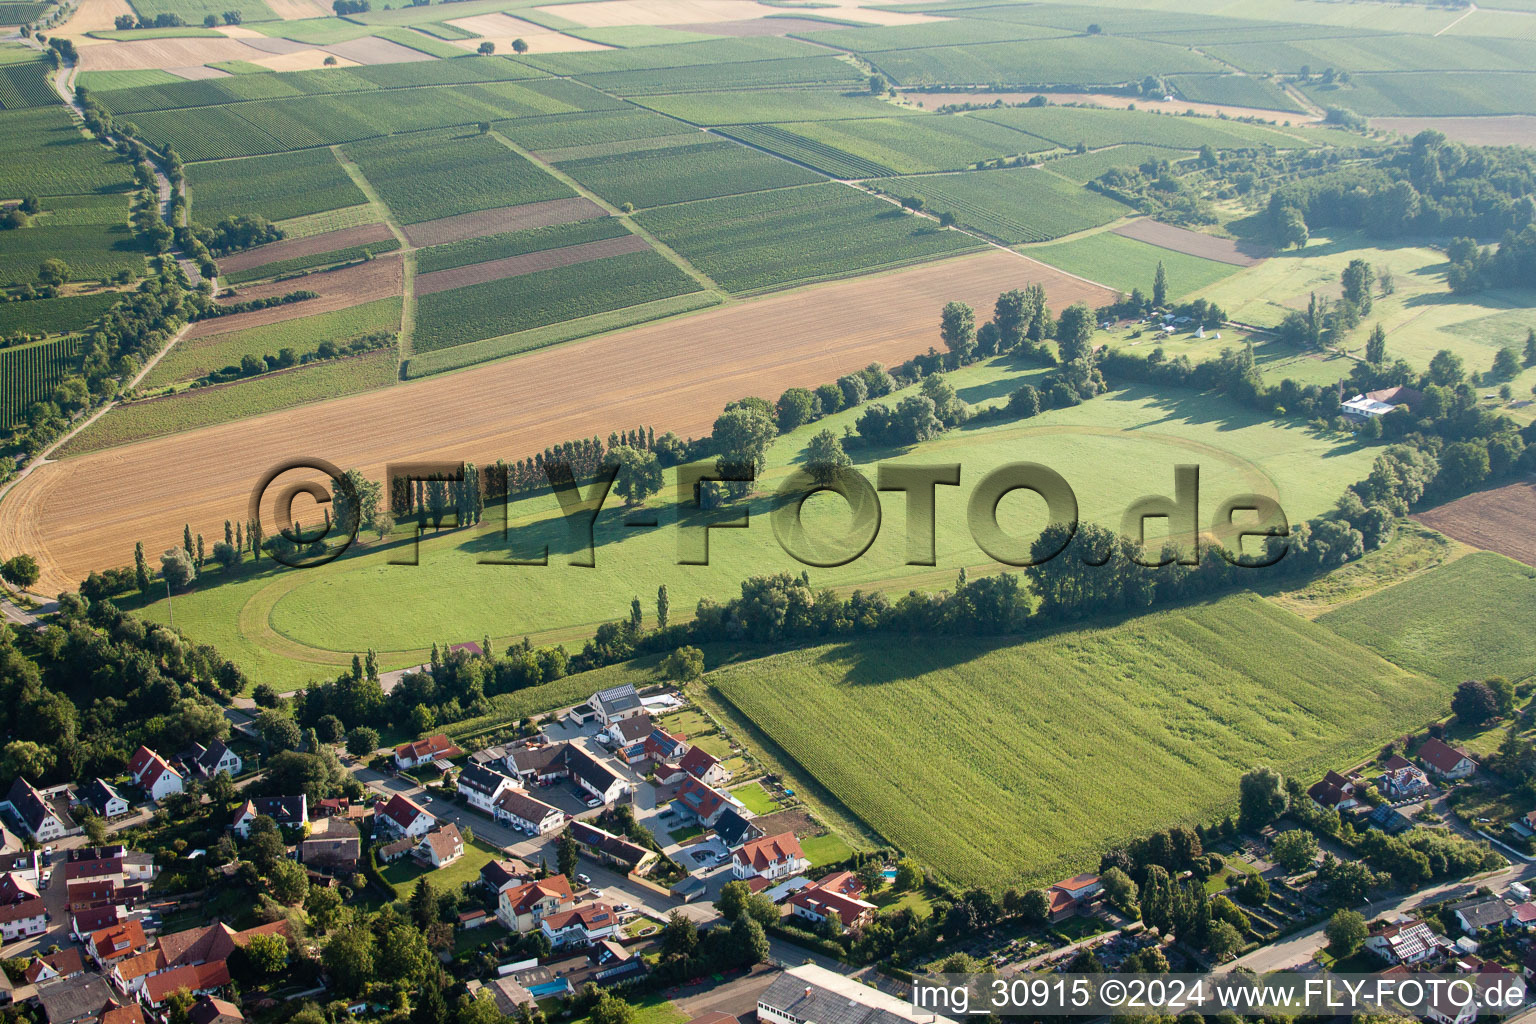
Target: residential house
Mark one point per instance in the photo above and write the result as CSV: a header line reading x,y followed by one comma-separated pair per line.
x,y
153,774
538,763
661,745
426,751
400,816
630,730
209,1010
75,1000
500,875
611,960
705,802
103,798
115,942
835,896
66,963
616,704
704,767
214,758
23,919
1481,915
1401,779
1446,761
773,857
482,787
581,925
290,812
735,830
1334,792
36,816
615,851
596,778
84,923
1523,915
509,994
518,808
115,861
667,773
194,959
197,979
810,993
27,863
442,846
1405,941
16,887
130,1014
521,908
333,845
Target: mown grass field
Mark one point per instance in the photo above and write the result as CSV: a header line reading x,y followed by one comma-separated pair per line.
x,y
188,360
276,187
700,170
460,315
204,406
1470,619
1131,440
436,175
1016,205
1002,763
791,236
1127,263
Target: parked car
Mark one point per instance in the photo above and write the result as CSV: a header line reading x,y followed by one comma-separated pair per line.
x,y
583,879
594,802
597,894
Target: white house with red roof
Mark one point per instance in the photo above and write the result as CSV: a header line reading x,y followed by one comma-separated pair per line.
x,y
835,896
401,816
1401,778
1446,761
23,918
772,857
580,926
1068,896
523,907
705,802
153,774
420,752
704,767
1334,792
1405,941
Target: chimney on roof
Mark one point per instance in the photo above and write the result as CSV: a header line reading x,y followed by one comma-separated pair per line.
x,y
807,991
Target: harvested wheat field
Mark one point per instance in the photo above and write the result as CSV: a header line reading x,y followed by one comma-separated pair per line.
x,y
86,513
302,60
309,245
528,263
1494,520
142,54
297,10
617,13
1503,130
373,50
1193,243
506,218
502,29
338,289
93,16
197,73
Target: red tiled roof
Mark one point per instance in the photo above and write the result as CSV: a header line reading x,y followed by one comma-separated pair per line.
x,y
119,939
192,978
433,746
696,762
130,1014
592,917
525,896
770,850
1439,756
400,810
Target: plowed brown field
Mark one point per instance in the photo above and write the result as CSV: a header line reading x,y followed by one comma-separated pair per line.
x,y
527,263
86,513
507,218
338,289
310,245
1502,520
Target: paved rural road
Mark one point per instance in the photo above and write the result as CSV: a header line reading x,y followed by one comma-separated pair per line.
x,y
1298,948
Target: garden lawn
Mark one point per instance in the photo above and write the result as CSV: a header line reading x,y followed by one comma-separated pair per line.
x,y
404,873
1413,623
756,798
1030,749
792,236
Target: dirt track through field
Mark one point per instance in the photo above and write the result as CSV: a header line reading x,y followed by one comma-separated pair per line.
x,y
528,263
310,245
338,289
1496,520
506,218
86,513
1192,243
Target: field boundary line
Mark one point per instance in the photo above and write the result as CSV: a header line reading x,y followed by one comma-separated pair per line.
x,y
1471,10
671,255
403,347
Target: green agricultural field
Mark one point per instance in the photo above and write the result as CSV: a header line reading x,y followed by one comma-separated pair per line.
x,y
516,243
1470,619
1021,743
792,236
702,170
276,187
1234,90
25,84
640,35
957,32
206,406
46,154
424,177
1085,167
420,41
1381,53
55,316
188,360
1018,205
106,81
28,374
426,364
21,13
330,220
1125,263
461,315
568,130
765,74
719,51
770,106
192,12
1075,60
178,32
1432,93
871,147
1131,440
90,233
1096,127
299,264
